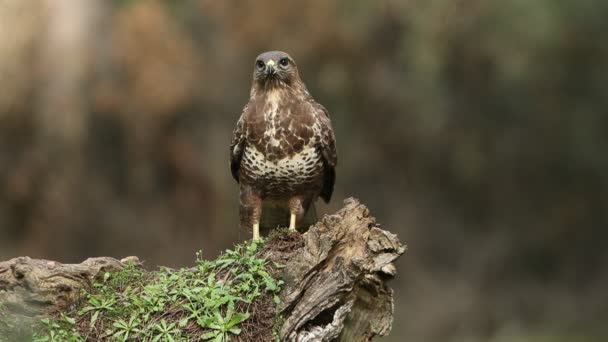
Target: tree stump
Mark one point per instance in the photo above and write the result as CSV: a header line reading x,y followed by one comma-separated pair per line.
x,y
335,278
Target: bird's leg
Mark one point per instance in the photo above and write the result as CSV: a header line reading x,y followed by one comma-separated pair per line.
x,y
256,231
250,210
292,222
257,214
296,211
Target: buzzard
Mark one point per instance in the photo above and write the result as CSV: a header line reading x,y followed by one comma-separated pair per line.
x,y
283,152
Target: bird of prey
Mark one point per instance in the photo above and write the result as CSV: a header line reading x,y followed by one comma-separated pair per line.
x,y
283,152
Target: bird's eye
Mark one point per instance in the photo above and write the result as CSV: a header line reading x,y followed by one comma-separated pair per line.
x,y
284,62
259,64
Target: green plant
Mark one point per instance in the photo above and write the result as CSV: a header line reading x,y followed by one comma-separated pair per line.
x,y
125,329
59,330
222,326
164,331
210,300
98,305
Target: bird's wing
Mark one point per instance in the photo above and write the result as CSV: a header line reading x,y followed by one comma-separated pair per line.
x,y
237,146
327,146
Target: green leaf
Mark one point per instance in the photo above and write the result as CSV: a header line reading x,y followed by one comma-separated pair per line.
x,y
209,335
120,324
183,322
236,319
70,320
94,318
94,300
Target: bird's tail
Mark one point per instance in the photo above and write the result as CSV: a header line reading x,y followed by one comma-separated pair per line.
x,y
278,217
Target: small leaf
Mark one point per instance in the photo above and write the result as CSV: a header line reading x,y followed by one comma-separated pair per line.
x,y
119,324
183,322
209,335
238,318
94,318
69,320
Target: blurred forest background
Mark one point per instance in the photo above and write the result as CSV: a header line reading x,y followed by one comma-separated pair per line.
x,y
476,130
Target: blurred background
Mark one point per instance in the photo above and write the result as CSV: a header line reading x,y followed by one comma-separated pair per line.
x,y
475,130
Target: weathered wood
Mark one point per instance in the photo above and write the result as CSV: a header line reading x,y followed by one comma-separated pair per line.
x,y
335,278
31,286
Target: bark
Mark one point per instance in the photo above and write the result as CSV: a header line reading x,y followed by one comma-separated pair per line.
x,y
335,279
32,286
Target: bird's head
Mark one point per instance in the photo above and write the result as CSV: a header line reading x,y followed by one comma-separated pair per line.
x,y
275,68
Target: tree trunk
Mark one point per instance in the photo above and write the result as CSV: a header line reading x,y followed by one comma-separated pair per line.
x,y
335,279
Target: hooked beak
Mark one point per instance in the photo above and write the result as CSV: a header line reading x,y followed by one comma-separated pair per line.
x,y
270,68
